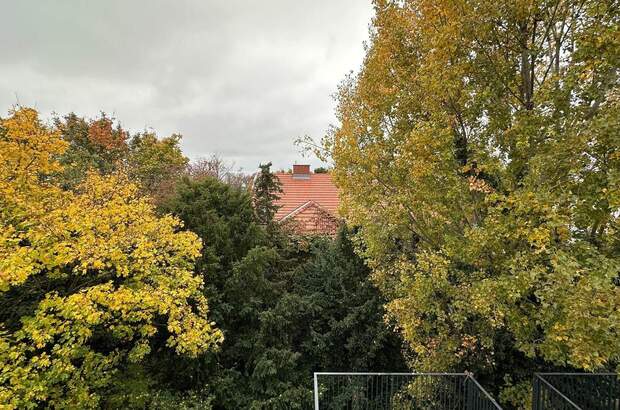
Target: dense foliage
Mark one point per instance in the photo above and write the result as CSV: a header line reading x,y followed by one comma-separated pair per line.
x,y
479,151
478,158
90,279
287,305
104,298
102,145
91,145
156,163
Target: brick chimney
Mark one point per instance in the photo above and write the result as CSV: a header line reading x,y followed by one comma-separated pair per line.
x,y
301,171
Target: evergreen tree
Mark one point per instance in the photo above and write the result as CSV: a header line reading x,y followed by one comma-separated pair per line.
x,y
266,188
288,306
348,332
238,267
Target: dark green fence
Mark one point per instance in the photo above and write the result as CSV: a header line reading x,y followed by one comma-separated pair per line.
x,y
423,391
576,391
459,391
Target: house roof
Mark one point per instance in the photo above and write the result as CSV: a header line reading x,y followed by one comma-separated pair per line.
x,y
297,192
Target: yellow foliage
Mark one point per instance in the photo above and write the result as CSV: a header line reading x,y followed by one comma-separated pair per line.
x,y
120,265
477,152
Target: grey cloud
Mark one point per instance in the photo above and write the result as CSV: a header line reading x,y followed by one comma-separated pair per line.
x,y
239,78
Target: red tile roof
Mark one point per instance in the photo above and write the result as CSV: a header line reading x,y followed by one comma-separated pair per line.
x,y
312,219
297,192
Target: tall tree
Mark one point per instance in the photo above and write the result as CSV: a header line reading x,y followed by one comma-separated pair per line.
x,y
266,188
240,268
89,279
478,151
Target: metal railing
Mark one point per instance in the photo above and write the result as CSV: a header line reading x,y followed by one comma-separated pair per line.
x,y
400,391
576,391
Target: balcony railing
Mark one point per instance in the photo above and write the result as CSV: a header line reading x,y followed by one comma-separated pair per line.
x,y
459,391
576,391
373,391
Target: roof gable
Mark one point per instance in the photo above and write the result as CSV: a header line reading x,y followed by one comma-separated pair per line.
x,y
311,218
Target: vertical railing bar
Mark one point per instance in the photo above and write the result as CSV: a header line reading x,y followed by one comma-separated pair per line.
x,y
316,392
379,402
452,392
377,393
374,392
382,402
462,393
389,403
448,394
366,392
610,394
349,402
331,392
535,393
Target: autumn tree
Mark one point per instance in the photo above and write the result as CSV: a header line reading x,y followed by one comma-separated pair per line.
x,y
478,151
89,278
156,163
101,145
92,145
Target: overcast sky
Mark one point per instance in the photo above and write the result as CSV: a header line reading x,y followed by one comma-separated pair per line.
x,y
239,78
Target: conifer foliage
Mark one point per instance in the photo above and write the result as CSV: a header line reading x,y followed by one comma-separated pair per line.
x,y
266,188
287,306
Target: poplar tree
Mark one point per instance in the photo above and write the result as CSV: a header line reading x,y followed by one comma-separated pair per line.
x,y
478,150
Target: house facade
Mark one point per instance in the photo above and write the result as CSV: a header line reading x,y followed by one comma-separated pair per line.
x,y
308,202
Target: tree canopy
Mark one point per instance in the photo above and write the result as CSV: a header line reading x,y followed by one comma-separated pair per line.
x,y
156,163
106,300
287,305
478,150
87,277
101,145
477,153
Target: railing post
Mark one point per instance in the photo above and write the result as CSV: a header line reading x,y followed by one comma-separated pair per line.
x,y
536,393
316,392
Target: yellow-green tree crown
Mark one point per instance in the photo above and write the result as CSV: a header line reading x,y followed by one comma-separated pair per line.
x,y
100,273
